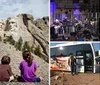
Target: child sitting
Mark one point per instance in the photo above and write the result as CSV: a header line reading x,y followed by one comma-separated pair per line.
x,y
28,68
5,69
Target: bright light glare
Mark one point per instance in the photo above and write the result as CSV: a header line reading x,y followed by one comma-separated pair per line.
x,y
61,48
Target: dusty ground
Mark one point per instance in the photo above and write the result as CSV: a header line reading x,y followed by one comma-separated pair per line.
x,y
65,78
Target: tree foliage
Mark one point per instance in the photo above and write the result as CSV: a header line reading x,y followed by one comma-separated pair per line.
x,y
26,46
10,40
37,50
18,44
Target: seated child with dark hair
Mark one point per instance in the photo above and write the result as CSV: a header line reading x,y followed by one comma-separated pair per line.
x,y
28,68
5,69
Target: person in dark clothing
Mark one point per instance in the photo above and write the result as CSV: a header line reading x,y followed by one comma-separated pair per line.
x,y
5,69
54,32
72,63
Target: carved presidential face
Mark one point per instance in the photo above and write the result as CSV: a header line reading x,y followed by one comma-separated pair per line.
x,y
13,24
1,25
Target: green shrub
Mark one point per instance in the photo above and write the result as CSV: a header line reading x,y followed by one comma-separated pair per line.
x,y
5,41
26,46
10,40
31,49
18,44
37,51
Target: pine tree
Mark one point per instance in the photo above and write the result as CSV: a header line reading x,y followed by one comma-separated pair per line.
x,y
5,41
37,50
26,46
31,49
10,40
19,44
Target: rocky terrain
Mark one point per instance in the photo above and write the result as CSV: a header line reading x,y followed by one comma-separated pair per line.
x,y
20,33
65,78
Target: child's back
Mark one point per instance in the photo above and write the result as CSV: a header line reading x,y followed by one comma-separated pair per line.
x,y
5,69
28,68
28,71
5,72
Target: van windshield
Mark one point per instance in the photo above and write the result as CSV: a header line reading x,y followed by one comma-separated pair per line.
x,y
96,48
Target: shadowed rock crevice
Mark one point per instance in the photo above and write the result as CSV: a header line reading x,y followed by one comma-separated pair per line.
x,y
25,20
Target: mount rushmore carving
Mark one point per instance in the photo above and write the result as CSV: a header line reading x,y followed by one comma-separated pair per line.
x,y
35,32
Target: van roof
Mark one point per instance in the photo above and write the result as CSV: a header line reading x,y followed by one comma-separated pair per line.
x,y
70,44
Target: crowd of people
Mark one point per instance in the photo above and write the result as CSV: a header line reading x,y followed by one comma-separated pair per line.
x,y
27,69
74,30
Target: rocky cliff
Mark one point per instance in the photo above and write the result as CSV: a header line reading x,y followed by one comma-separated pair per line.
x,y
22,32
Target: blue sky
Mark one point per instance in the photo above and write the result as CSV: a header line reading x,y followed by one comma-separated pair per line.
x,y
38,8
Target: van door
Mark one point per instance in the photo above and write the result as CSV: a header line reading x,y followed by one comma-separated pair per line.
x,y
88,61
79,61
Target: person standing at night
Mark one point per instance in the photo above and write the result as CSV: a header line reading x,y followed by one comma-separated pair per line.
x,y
72,63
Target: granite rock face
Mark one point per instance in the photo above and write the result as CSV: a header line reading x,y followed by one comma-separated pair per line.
x,y
35,32
15,32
